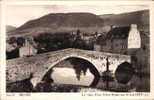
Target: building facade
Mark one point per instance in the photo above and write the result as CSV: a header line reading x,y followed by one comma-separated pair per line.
x,y
120,40
28,49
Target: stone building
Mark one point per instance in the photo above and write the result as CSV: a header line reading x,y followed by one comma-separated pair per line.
x,y
28,48
120,40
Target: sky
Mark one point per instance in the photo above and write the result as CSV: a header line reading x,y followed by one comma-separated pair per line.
x,y
17,15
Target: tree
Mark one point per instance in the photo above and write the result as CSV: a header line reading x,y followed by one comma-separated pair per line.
x,y
12,40
52,42
20,41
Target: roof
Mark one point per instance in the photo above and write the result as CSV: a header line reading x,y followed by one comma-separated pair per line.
x,y
118,32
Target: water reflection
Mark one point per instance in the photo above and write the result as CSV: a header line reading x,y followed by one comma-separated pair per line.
x,y
68,76
75,71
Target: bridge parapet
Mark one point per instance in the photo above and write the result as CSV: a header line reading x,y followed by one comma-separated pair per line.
x,y
97,54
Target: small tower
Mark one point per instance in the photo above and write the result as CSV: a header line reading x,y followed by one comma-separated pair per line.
x,y
28,48
134,38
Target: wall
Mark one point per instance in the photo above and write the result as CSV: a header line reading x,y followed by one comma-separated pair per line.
x,y
27,50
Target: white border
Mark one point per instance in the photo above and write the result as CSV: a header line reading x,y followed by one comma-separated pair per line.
x,y
72,96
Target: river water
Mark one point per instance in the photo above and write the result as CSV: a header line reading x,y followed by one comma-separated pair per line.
x,y
68,76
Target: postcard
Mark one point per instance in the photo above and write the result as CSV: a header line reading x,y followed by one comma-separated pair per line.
x,y
66,50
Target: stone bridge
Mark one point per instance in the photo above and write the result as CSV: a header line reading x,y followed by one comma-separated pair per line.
x,y
21,68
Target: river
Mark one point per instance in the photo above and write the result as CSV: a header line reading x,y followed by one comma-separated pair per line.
x,y
68,76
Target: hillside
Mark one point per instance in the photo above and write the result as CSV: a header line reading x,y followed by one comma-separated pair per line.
x,y
60,22
141,18
10,28
86,22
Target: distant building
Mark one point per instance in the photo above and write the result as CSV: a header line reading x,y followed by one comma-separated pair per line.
x,y
28,49
85,36
97,47
120,40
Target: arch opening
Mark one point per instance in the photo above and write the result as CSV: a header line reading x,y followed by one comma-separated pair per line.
x,y
124,73
80,65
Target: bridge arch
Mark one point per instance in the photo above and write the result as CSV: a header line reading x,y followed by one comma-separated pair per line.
x,y
93,68
124,72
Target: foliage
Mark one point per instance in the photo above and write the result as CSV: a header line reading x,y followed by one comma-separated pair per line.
x,y
52,42
12,40
20,41
47,42
13,54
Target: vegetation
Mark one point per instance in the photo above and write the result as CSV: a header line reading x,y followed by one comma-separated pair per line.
x,y
47,42
51,42
16,42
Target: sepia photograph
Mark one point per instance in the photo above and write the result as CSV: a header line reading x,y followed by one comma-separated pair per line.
x,y
76,48
64,48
